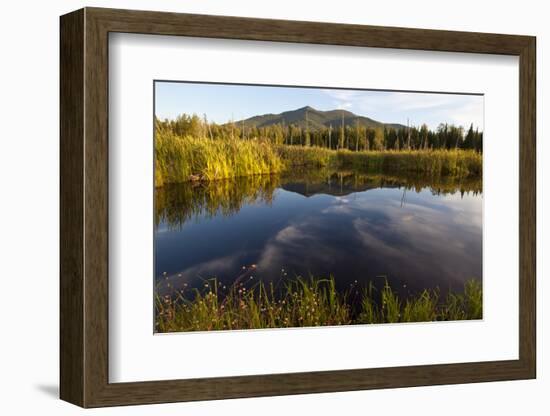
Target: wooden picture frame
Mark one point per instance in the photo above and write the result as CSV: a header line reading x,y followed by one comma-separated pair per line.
x,y
84,207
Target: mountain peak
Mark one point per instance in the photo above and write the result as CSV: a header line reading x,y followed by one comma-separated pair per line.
x,y
315,119
306,108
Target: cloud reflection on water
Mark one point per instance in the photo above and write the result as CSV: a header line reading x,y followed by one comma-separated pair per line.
x,y
416,239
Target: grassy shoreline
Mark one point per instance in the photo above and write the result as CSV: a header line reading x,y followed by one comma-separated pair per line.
x,y
181,159
455,162
307,303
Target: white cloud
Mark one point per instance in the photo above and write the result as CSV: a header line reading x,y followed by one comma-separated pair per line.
x,y
419,108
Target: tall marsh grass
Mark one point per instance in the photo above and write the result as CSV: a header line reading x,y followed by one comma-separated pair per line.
x,y
181,159
313,157
307,303
456,162
434,162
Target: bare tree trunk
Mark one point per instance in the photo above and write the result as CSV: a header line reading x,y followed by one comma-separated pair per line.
x,y
343,131
356,135
408,136
208,126
308,139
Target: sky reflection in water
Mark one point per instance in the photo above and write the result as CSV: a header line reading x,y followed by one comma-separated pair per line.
x,y
415,238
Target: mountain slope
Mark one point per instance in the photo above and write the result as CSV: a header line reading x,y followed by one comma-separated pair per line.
x,y
317,119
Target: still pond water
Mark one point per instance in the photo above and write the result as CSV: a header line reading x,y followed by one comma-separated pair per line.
x,y
360,228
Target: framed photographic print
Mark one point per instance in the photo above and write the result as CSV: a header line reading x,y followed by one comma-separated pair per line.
x,y
255,207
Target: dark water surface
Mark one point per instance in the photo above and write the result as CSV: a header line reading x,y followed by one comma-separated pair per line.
x,y
418,233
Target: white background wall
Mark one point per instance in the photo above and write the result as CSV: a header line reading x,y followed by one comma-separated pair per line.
x,y
29,159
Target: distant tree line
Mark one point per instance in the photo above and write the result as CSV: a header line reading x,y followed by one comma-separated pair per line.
x,y
353,137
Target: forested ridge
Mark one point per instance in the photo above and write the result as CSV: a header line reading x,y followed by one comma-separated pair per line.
x,y
336,129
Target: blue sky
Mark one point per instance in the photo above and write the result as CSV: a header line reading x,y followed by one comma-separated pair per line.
x,y
222,102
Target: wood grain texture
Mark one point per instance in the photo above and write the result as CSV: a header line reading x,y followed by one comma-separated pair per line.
x,y
226,27
96,219
84,207
527,207
71,100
